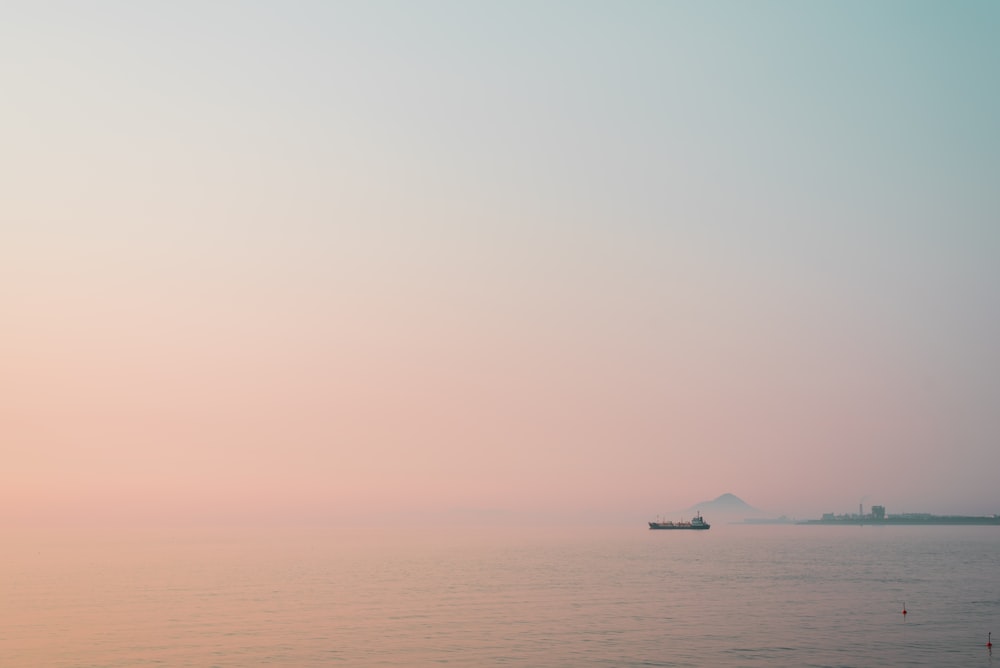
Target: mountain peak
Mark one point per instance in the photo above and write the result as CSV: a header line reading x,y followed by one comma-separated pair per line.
x,y
726,503
731,499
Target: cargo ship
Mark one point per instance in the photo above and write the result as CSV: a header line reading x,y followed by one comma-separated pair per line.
x,y
697,522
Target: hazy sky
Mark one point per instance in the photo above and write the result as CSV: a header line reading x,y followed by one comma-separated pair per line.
x,y
319,261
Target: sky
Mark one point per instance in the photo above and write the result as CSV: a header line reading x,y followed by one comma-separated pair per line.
x,y
567,261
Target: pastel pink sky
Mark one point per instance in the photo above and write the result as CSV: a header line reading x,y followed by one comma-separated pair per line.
x,y
343,264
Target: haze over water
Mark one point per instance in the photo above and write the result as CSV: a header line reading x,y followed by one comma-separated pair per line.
x,y
297,299
734,596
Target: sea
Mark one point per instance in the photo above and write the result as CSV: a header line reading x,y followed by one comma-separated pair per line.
x,y
736,595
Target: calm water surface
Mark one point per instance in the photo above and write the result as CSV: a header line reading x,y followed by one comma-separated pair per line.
x,y
732,596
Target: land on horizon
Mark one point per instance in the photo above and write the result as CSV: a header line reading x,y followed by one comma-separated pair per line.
x,y
732,508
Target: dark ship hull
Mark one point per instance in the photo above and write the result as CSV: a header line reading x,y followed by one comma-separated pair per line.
x,y
696,524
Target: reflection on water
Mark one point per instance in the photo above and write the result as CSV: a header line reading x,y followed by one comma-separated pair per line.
x,y
736,595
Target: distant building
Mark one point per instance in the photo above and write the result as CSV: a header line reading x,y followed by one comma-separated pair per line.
x,y
878,512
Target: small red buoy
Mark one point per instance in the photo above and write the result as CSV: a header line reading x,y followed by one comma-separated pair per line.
x,y
904,608
989,639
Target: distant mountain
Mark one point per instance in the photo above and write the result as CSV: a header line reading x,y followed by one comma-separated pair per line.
x,y
727,504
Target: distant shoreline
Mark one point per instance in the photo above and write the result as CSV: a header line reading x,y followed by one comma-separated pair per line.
x,y
918,520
